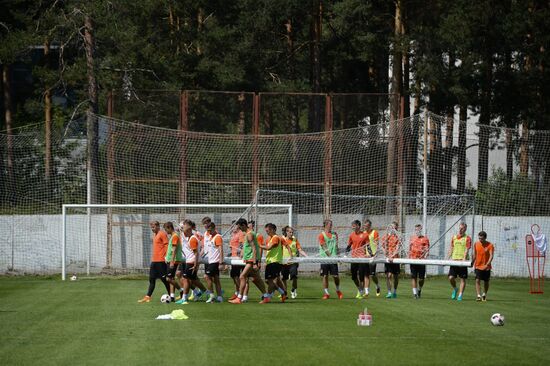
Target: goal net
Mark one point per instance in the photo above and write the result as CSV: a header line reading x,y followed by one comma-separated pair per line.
x,y
390,216
117,239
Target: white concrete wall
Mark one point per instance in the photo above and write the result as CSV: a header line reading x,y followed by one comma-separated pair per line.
x,y
35,240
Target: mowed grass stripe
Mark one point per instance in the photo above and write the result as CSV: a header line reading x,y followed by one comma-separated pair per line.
x,y
99,322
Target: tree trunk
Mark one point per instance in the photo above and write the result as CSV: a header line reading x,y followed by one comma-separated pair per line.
x,y
294,125
461,171
449,131
200,21
411,164
484,121
524,150
315,105
93,148
396,86
406,90
10,183
508,120
436,177
417,96
509,154
241,124
48,121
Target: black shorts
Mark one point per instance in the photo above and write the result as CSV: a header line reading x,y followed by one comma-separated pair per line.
x,y
372,269
483,275
290,271
157,270
236,270
171,272
273,270
418,271
393,268
329,269
360,269
212,269
456,271
189,273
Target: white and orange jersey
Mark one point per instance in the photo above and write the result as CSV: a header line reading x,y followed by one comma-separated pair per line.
x,y
213,247
200,236
188,245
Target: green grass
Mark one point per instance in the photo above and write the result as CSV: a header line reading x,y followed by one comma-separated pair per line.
x,y
98,322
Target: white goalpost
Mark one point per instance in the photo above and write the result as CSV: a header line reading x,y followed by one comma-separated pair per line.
x,y
116,238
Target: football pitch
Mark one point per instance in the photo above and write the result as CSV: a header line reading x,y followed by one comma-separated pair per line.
x,y
98,322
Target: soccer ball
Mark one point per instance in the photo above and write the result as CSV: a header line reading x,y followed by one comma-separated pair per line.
x,y
165,299
497,319
73,278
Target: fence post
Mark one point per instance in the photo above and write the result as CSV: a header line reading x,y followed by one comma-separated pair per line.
x,y
255,147
327,193
110,188
183,127
63,241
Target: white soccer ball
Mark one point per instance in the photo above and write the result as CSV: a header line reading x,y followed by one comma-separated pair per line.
x,y
165,299
497,319
73,278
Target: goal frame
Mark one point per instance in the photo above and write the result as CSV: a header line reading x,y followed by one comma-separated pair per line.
x,y
87,207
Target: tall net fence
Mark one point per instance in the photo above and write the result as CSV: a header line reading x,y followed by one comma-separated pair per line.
x,y
506,170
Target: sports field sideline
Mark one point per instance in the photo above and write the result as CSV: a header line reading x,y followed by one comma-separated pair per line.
x,y
98,322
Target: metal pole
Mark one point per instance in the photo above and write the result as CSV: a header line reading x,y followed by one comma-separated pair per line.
x,y
256,210
12,241
88,217
425,178
290,216
63,242
474,220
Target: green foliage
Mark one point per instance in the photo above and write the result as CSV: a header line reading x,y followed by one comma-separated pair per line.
x,y
517,197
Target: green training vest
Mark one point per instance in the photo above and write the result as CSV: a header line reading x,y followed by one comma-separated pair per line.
x,y
330,245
